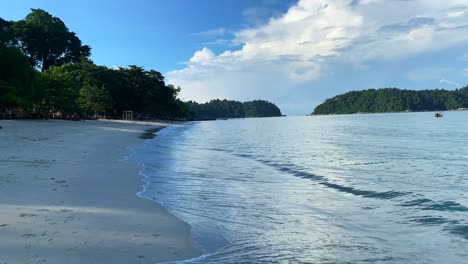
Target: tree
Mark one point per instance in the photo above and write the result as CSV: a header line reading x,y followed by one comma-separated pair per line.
x,y
232,109
93,98
60,90
68,81
18,80
46,41
149,94
6,34
393,100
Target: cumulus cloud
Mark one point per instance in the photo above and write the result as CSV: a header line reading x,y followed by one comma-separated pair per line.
x,y
299,46
202,57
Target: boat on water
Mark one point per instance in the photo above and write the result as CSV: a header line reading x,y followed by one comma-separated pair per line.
x,y
439,114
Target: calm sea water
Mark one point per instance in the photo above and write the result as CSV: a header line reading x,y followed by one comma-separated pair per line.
x,y
383,188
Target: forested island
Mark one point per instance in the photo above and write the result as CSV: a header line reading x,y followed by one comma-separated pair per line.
x,y
216,109
45,72
394,100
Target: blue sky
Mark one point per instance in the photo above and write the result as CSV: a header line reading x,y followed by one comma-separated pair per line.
x,y
294,53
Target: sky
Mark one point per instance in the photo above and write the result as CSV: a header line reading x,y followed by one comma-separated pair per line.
x,y
295,53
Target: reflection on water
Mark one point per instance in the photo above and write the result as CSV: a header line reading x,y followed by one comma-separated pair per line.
x,y
387,188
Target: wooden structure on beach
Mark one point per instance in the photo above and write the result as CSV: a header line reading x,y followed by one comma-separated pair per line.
x,y
127,115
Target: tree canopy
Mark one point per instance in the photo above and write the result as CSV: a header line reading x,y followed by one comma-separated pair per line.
x,y
44,39
393,100
45,71
233,109
19,84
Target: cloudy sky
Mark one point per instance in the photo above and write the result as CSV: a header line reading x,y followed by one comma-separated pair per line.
x,y
294,53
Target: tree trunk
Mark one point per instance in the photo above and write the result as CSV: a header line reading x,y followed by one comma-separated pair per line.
x,y
45,62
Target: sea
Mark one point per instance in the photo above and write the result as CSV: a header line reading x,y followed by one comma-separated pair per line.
x,y
368,188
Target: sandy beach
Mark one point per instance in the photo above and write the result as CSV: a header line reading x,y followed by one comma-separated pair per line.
x,y
67,195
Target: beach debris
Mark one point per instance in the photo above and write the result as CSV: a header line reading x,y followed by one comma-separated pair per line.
x,y
156,235
0,127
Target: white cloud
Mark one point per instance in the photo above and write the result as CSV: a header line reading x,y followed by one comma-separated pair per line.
x,y
202,57
211,33
449,82
299,46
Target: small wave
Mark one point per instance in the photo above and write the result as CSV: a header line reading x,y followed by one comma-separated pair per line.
x,y
453,226
459,230
288,168
428,220
446,206
363,193
428,204
368,163
198,259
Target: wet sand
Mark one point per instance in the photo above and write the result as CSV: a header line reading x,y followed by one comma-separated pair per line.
x,y
67,195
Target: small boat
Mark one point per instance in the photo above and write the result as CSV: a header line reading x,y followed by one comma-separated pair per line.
x,y
439,114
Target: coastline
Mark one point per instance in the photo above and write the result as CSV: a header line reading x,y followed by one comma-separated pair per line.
x,y
67,195
382,113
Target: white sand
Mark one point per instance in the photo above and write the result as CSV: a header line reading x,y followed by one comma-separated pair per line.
x,y
68,196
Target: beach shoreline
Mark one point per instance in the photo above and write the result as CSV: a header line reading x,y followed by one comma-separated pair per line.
x,y
67,195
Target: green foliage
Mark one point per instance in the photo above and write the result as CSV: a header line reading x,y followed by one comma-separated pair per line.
x,y
93,98
260,108
6,33
60,91
146,91
393,100
233,109
18,80
131,88
71,84
46,41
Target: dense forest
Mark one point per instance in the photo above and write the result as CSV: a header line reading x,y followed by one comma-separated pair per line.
x,y
393,100
233,109
45,72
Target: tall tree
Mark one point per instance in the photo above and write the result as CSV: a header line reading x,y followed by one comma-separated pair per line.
x,y
18,80
60,90
6,34
47,41
93,98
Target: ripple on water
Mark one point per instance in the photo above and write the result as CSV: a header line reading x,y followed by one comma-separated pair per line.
x,y
337,189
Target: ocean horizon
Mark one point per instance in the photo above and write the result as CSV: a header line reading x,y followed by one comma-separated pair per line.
x,y
387,188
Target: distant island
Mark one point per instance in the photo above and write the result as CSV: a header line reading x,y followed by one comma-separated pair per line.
x,y
45,72
216,109
394,100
